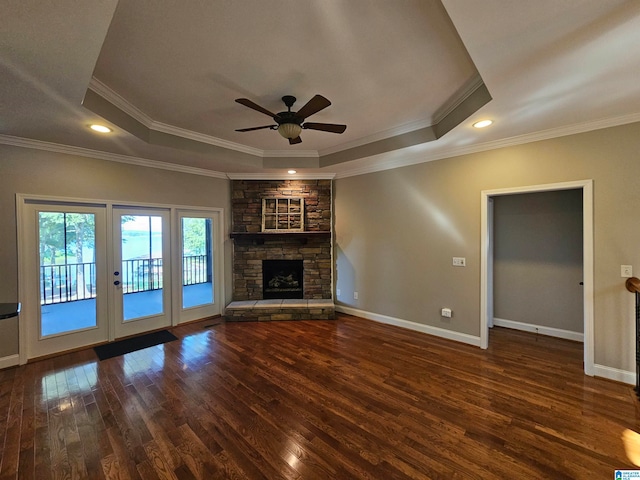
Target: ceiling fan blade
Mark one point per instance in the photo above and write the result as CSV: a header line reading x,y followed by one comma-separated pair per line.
x,y
314,105
256,128
325,127
248,103
293,141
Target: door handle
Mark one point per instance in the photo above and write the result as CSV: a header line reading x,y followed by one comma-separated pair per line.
x,y
117,282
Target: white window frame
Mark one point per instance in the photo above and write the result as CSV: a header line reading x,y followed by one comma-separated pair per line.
x,y
276,214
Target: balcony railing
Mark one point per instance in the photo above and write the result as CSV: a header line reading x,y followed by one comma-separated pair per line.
x,y
77,281
195,269
67,283
141,275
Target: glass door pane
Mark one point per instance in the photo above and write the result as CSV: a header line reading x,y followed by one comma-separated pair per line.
x,y
199,291
67,272
197,262
142,281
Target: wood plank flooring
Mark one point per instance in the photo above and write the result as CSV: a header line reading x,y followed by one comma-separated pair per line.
x,y
344,399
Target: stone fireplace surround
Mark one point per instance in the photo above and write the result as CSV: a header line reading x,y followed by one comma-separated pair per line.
x,y
252,246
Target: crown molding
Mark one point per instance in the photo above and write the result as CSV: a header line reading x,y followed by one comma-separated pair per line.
x,y
120,102
465,92
290,153
393,132
127,107
280,176
111,157
413,158
203,138
468,89
408,158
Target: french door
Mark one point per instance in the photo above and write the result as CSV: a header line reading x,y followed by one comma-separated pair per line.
x,y
92,273
65,302
141,270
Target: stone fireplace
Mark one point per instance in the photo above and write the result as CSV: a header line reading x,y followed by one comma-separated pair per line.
x,y
257,252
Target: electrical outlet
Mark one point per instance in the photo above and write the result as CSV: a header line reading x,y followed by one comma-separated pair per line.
x,y
337,292
459,262
355,295
446,312
626,271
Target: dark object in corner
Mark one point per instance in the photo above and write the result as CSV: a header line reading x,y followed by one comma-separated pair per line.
x,y
129,345
8,310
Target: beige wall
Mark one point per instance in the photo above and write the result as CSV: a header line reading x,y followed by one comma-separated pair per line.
x,y
397,230
37,172
538,260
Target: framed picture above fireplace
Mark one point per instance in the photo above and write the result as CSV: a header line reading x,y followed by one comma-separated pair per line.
x,y
283,214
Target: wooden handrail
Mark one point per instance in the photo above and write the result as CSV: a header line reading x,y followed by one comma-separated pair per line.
x,y
633,284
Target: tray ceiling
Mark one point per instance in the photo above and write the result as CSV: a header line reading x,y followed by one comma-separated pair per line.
x,y
407,78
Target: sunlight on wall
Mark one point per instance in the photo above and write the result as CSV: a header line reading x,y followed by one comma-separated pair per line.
x,y
435,214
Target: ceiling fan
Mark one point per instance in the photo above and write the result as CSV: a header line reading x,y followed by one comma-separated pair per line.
x,y
289,124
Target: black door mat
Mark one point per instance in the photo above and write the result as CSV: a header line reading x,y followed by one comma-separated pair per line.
x,y
128,345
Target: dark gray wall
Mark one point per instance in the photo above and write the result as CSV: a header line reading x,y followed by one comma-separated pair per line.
x,y
538,258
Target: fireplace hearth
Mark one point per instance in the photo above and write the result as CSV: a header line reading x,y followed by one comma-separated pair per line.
x,y
282,279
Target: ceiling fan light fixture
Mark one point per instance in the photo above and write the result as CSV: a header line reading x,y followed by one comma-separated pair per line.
x,y
289,130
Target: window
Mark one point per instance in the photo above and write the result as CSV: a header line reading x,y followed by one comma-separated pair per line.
x,y
283,214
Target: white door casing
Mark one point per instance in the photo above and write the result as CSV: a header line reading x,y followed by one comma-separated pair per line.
x,y
486,295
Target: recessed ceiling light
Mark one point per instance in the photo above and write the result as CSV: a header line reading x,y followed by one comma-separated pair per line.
x,y
291,172
100,128
483,123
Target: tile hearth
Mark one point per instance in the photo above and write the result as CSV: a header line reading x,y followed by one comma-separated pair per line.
x,y
277,310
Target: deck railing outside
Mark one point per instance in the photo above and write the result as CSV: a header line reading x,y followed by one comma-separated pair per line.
x,y
77,281
195,269
67,283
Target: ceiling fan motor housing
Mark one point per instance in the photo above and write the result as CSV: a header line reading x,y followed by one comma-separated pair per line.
x,y
290,124
289,100
289,116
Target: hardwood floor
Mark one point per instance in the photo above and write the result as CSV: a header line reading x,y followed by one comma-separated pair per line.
x,y
344,399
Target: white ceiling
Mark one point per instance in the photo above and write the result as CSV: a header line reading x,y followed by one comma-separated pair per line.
x,y
165,75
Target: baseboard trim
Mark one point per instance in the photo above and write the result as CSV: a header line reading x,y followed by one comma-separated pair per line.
x,y
9,361
542,330
615,374
435,331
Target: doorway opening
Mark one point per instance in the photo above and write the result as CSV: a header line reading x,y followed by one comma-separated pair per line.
x,y
486,296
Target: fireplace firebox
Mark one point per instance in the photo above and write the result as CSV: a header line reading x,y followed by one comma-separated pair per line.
x,y
282,279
